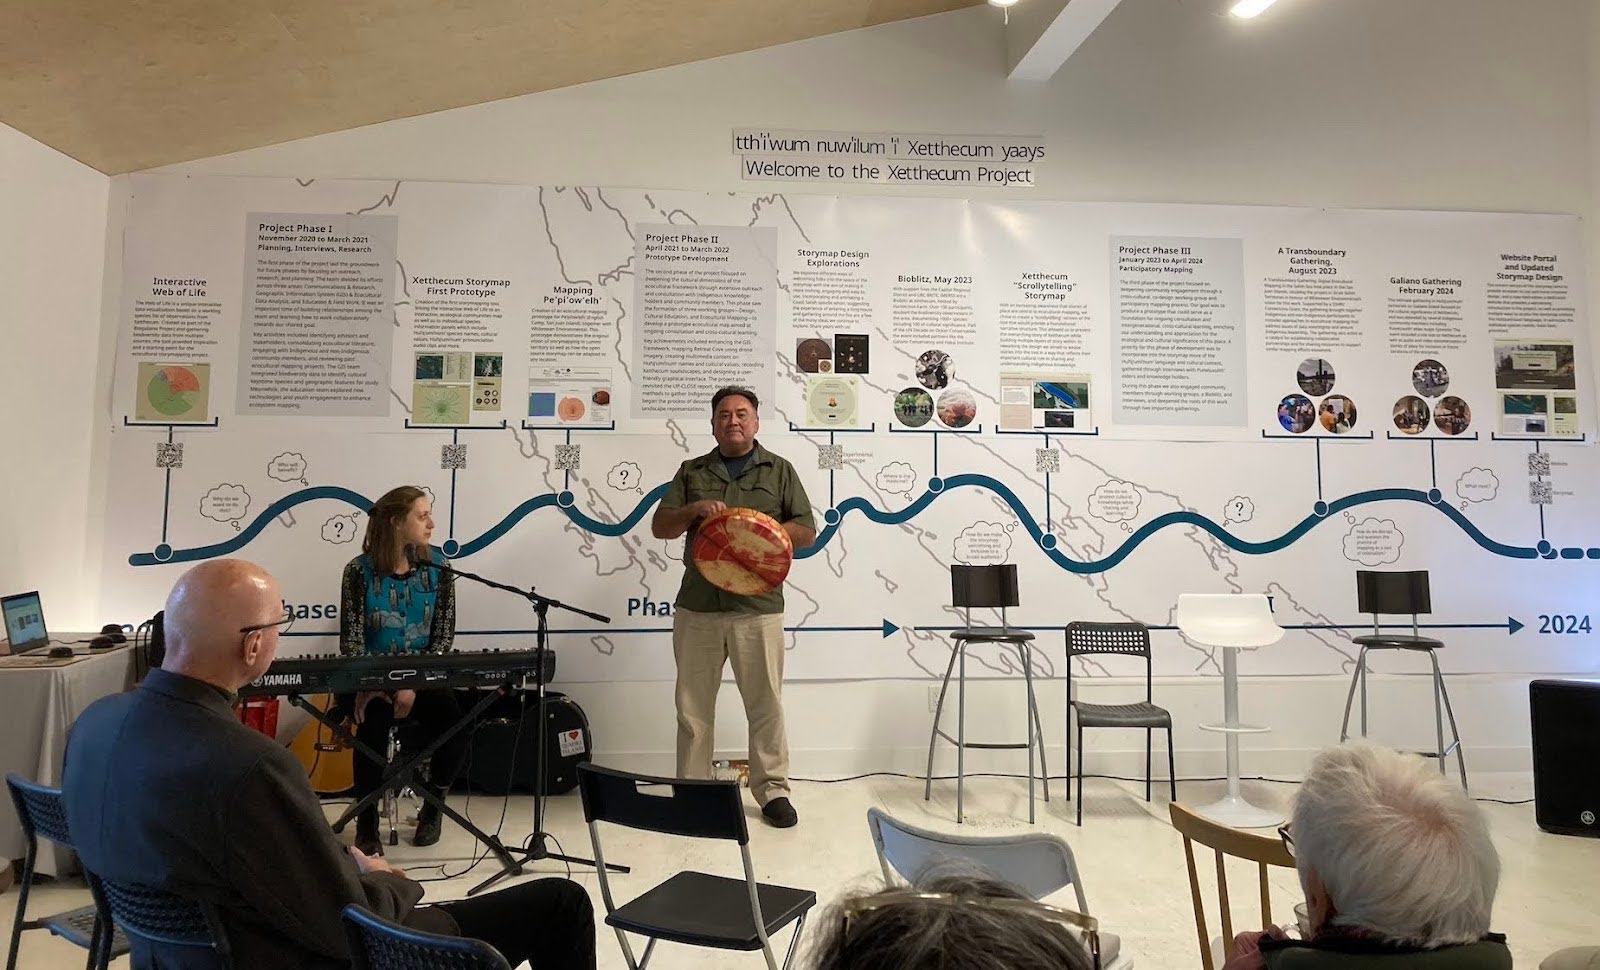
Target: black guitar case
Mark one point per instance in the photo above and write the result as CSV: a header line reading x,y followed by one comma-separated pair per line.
x,y
509,731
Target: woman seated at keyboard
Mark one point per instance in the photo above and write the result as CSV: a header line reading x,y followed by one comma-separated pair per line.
x,y
390,606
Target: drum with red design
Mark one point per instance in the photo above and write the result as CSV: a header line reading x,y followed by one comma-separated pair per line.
x,y
742,551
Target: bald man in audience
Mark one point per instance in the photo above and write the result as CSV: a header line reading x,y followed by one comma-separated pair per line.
x,y
165,788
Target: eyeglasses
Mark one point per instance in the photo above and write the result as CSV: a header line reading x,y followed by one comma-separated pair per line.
x,y
285,622
1079,925
1288,839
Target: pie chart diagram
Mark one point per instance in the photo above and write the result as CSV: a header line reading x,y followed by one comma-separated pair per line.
x,y
173,392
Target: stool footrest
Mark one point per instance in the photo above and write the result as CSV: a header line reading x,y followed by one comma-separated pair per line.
x,y
986,745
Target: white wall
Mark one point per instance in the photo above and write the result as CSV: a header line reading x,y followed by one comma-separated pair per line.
x,y
52,241
1449,104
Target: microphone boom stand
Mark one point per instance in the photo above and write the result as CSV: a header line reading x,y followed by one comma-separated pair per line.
x,y
536,848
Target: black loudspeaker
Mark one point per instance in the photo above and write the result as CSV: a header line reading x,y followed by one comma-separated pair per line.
x,y
1566,756
505,745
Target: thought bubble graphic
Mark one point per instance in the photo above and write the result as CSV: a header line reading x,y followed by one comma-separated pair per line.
x,y
624,477
1477,485
226,503
288,467
342,528
1115,501
1373,542
1239,509
897,476
983,544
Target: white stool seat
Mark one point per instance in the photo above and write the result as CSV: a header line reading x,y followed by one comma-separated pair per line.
x,y
1232,622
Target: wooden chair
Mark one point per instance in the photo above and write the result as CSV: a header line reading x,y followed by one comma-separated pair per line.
x,y
1263,850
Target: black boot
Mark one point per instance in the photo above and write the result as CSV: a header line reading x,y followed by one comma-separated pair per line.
x,y
428,825
367,839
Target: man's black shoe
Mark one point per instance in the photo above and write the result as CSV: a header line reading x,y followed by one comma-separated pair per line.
x,y
367,839
779,813
428,824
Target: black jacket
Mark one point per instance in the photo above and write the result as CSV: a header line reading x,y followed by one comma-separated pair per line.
x,y
164,787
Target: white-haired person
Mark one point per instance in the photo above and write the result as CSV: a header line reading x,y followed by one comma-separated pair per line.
x,y
1397,868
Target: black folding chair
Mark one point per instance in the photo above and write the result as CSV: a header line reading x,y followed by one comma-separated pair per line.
x,y
171,930
1125,639
43,815
691,907
377,944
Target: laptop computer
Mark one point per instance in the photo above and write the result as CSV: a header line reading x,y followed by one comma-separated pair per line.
x,y
24,617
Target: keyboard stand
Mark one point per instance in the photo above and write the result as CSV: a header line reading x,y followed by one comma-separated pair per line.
x,y
400,775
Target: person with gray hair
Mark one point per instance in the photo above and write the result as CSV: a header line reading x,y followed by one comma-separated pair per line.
x,y
954,919
1395,860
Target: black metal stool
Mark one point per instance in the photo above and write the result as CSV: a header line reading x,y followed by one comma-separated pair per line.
x,y
985,587
1401,592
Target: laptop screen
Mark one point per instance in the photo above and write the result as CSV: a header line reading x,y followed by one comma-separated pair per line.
x,y
24,621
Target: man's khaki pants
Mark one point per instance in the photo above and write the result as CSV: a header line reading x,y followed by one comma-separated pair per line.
x,y
702,643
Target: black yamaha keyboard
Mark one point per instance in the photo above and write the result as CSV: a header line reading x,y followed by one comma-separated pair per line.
x,y
337,674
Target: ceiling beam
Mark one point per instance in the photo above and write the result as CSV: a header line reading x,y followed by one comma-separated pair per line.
x,y
1042,34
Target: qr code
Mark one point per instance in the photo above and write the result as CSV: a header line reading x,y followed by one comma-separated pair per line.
x,y
1540,493
830,458
1539,463
169,454
453,458
1047,461
568,457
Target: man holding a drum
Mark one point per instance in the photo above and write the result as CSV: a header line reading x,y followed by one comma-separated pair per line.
x,y
745,512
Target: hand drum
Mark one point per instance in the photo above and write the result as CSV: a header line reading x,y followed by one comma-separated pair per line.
x,y
742,551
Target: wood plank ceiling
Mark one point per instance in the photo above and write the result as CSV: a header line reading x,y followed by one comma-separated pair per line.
x,y
124,85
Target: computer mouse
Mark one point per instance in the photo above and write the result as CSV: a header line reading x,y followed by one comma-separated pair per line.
x,y
105,643
114,633
60,653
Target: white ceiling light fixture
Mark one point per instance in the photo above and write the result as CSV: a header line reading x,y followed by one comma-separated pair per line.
x,y
1004,5
1245,9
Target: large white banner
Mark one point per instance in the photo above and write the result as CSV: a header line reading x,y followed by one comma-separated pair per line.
x,y
1129,401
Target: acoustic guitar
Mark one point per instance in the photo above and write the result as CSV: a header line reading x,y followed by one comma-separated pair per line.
x,y
329,762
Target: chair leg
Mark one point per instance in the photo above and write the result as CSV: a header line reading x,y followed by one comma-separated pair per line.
x,y
938,712
1037,731
1080,773
1032,716
794,941
1147,770
1449,712
627,951
22,902
1438,715
961,734
1350,698
1068,784
97,939
1172,765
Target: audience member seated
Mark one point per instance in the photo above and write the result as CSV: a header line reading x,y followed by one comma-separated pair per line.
x,y
1395,861
956,919
165,788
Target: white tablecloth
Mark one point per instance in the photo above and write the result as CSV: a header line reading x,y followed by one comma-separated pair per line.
x,y
39,705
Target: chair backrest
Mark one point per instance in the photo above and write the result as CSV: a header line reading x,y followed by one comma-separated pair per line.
x,y
40,810
674,806
1228,619
1393,591
164,923
377,944
1126,639
1035,862
1225,841
984,587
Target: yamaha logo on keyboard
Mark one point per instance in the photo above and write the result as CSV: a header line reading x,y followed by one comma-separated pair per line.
x,y
278,680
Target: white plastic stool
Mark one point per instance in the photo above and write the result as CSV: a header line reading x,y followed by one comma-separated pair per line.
x,y
1233,622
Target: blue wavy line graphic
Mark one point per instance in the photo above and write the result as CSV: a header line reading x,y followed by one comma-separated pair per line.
x,y
860,505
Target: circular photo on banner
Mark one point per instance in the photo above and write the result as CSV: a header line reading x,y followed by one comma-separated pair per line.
x,y
1296,413
913,407
1430,378
1451,415
1315,376
957,408
1411,414
935,369
1338,414
831,402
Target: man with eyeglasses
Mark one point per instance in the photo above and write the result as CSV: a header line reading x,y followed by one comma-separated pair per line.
x,y
165,788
